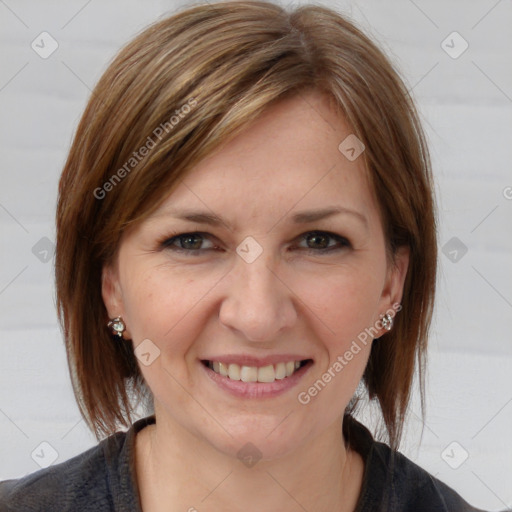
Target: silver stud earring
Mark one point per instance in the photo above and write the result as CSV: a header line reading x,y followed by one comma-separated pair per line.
x,y
387,321
117,326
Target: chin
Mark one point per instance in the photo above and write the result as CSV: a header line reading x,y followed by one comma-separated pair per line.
x,y
265,439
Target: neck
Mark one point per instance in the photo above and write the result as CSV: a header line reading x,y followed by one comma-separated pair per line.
x,y
176,467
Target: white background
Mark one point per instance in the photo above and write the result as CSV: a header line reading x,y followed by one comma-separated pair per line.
x,y
466,105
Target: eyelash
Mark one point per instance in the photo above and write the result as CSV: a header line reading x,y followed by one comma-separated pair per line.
x,y
167,242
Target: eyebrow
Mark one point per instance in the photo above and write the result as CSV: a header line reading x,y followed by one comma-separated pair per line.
x,y
304,217
315,215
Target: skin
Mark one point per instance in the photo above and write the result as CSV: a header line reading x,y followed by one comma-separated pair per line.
x,y
294,298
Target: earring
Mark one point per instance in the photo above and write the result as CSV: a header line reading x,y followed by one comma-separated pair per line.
x,y
117,326
387,321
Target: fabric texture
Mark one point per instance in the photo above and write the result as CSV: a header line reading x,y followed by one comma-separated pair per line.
x,y
103,479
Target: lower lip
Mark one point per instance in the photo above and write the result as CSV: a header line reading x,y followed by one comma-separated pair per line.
x,y
257,389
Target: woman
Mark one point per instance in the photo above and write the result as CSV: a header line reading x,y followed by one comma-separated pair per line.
x,y
245,232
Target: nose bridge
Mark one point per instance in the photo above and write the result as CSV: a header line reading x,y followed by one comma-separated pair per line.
x,y
258,281
257,303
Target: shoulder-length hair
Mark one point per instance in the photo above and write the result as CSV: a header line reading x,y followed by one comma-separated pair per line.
x,y
179,90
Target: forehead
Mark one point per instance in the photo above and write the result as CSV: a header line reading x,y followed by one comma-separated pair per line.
x,y
289,158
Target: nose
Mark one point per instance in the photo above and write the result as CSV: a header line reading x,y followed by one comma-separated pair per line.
x,y
258,304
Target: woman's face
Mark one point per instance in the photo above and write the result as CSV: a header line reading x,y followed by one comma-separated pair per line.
x,y
259,277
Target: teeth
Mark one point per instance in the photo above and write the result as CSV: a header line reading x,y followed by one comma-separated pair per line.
x,y
248,374
280,371
233,372
223,369
267,373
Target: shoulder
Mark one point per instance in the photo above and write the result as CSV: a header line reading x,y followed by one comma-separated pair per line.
x,y
414,489
393,482
81,483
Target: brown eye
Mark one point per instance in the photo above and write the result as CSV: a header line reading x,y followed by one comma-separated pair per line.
x,y
322,241
192,242
318,240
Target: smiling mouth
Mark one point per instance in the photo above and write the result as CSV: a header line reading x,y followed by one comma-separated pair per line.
x,y
263,374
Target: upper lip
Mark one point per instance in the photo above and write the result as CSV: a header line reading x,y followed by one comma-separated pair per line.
x,y
248,360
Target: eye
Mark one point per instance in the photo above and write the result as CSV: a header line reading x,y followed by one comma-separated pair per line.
x,y
318,242
323,241
187,242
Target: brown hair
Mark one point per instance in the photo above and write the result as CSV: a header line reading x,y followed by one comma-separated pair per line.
x,y
183,87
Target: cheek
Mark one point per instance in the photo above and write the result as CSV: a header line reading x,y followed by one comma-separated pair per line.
x,y
160,303
344,302
345,305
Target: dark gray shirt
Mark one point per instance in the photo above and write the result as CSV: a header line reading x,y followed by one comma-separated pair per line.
x,y
102,479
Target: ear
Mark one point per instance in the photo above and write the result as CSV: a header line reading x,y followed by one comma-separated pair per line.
x,y
395,279
112,294
110,291
397,274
